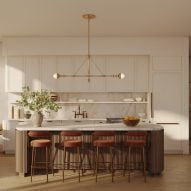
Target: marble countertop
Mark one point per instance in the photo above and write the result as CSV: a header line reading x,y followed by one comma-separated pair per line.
x,y
60,119
26,126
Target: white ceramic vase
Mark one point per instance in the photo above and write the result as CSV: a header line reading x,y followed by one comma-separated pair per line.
x,y
37,118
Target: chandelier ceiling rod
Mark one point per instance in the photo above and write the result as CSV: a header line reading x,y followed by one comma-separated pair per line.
x,y
89,17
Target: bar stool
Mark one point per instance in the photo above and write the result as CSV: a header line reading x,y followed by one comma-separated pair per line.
x,y
103,139
135,141
41,140
70,142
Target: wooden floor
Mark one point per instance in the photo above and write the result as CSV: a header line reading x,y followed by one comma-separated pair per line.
x,y
176,177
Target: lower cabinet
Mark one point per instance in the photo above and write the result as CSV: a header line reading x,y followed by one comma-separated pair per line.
x,y
168,101
9,136
172,138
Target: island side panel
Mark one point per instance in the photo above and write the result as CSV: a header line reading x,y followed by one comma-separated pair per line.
x,y
155,160
21,152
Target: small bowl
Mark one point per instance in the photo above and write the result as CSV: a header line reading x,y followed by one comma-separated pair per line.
x,y
54,97
138,99
131,120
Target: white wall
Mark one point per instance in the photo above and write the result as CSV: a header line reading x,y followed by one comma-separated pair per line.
x,y
160,46
3,95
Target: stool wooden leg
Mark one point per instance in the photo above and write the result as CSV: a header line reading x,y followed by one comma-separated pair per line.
x,y
64,160
111,161
144,165
129,163
68,160
46,164
96,160
32,163
124,162
78,162
55,154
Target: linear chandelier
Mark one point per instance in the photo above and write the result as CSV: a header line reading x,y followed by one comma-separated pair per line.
x,y
89,61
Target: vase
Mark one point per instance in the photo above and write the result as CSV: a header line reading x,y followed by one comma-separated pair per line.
x,y
37,118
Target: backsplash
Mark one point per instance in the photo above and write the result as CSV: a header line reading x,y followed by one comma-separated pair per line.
x,y
97,105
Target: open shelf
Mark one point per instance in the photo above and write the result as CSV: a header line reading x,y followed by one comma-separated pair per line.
x,y
102,102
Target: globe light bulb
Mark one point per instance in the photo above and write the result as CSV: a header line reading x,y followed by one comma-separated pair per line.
x,y
121,76
56,76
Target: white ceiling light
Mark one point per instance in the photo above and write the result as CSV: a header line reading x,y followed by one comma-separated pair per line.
x,y
89,61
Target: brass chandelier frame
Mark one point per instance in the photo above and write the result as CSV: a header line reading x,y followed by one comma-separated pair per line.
x,y
89,61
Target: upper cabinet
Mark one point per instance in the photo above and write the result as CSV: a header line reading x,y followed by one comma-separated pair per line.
x,y
116,65
37,72
136,70
15,74
65,66
80,67
98,67
141,78
32,72
48,68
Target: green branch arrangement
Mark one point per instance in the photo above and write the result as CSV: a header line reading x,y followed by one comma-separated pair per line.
x,y
37,100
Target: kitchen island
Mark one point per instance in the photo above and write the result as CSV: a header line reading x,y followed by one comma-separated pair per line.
x,y
155,149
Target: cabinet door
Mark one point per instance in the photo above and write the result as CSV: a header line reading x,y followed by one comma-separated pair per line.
x,y
167,97
48,68
116,65
141,74
81,84
167,106
65,66
172,138
14,72
9,135
32,71
98,67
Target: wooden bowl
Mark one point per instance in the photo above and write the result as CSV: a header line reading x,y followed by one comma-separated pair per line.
x,y
54,97
131,120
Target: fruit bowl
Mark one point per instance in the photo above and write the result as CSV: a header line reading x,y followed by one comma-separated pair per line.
x,y
131,120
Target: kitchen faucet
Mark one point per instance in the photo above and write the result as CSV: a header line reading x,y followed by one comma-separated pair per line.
x,y
79,113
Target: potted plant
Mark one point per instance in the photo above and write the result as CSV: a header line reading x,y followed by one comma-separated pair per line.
x,y
37,101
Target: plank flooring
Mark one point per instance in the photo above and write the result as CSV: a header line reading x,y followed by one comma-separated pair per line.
x,y
176,177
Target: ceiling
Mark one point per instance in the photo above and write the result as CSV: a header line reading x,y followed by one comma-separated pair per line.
x,y
124,18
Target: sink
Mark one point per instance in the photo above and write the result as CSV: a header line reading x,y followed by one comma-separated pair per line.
x,y
114,120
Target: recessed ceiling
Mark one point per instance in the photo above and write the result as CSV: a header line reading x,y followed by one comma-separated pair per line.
x,y
128,18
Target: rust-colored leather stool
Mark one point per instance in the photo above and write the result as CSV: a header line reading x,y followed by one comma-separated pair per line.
x,y
103,140
135,142
40,140
70,142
